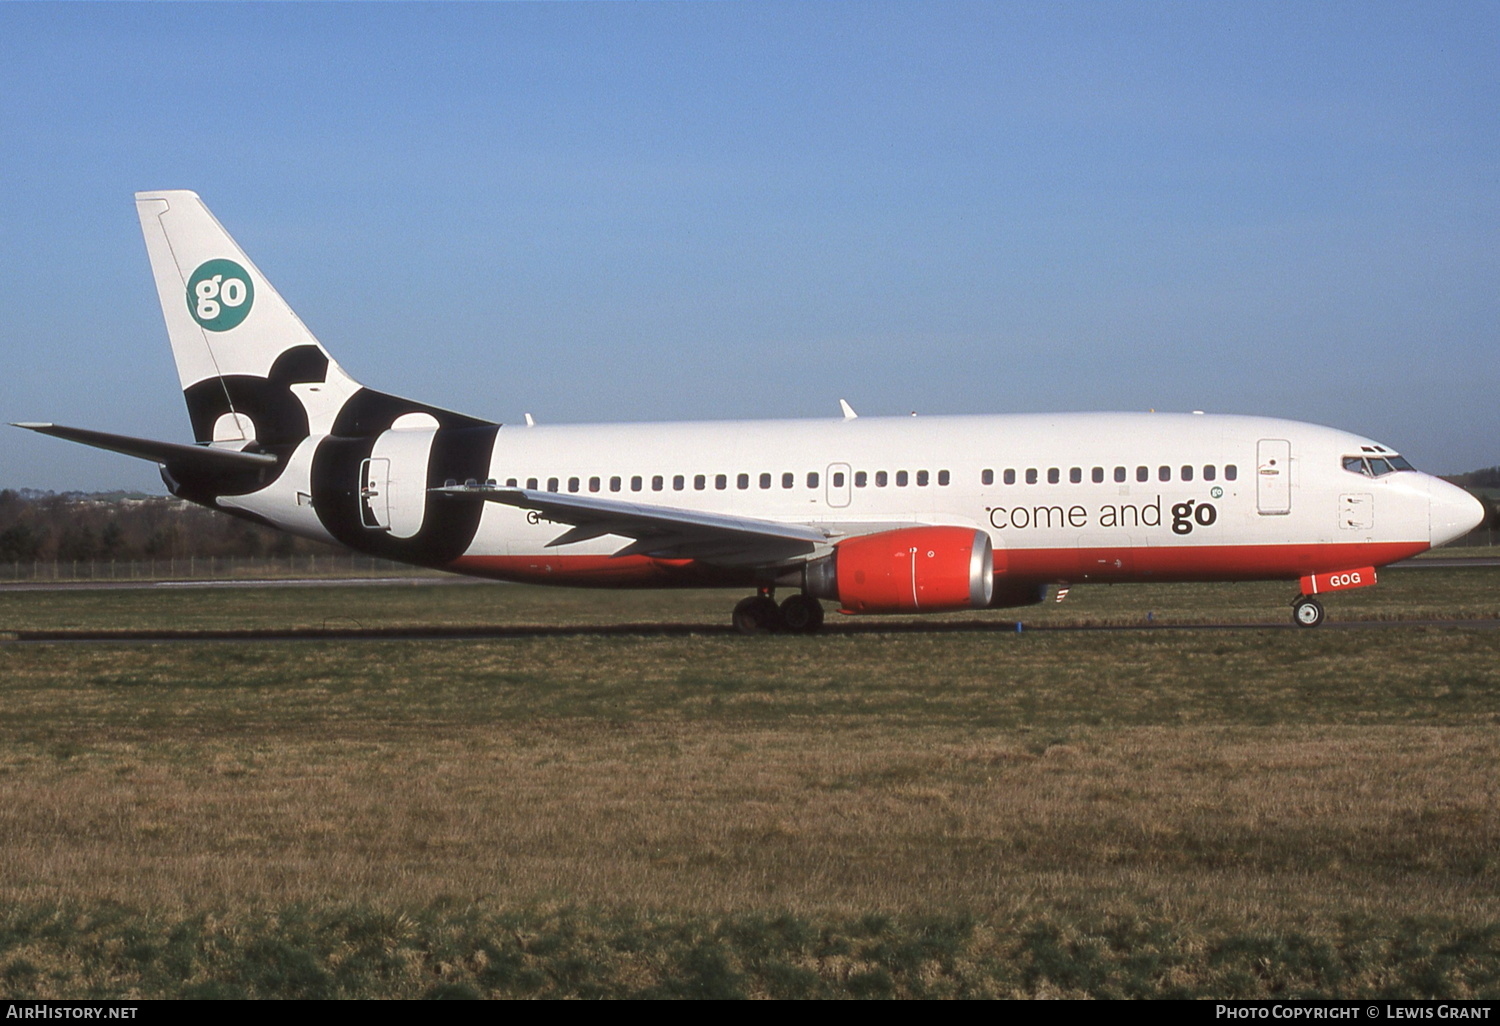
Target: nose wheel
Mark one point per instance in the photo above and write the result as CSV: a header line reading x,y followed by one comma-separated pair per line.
x,y
1307,612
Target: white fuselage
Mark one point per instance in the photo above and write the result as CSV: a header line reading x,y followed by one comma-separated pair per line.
x,y
1202,497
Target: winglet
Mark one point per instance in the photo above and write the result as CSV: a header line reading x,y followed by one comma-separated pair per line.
x,y
849,413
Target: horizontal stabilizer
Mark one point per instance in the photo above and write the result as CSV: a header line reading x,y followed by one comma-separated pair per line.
x,y
158,452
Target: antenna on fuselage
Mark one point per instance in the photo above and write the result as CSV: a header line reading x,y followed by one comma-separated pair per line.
x,y
849,413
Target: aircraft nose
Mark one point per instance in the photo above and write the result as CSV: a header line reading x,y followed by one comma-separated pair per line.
x,y
1452,512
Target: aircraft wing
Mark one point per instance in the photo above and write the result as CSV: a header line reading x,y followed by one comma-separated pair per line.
x,y
658,531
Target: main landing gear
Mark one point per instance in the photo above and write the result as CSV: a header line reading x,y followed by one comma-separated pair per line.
x,y
759,614
1307,612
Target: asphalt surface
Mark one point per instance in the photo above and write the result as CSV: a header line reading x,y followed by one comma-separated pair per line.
x,y
663,630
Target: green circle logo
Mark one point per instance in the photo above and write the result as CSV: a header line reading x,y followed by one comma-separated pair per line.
x,y
1217,492
220,294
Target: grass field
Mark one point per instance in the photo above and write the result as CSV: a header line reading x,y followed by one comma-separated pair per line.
x,y
945,812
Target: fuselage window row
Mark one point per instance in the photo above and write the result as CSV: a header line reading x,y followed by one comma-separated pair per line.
x,y
742,481
882,479
1186,472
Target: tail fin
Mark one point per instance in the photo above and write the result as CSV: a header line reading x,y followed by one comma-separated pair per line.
x,y
243,357
250,369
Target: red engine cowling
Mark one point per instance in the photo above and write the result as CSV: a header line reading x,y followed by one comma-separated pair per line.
x,y
915,570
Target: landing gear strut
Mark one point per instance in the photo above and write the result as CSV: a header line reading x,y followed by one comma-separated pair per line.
x,y
759,614
1307,612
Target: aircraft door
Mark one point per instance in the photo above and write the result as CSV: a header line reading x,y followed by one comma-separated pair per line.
x,y
1273,476
374,509
838,485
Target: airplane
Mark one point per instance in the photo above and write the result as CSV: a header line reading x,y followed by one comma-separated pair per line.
x,y
876,514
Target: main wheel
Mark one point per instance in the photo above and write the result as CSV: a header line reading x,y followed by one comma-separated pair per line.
x,y
756,615
1307,612
802,614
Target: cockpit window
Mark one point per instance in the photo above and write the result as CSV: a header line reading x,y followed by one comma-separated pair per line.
x,y
1376,466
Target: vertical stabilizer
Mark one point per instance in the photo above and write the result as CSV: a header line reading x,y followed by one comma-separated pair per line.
x,y
250,369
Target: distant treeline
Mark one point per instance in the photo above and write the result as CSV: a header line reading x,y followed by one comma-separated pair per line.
x,y
46,526
1486,478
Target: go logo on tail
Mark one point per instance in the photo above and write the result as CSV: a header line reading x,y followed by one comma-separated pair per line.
x,y
220,294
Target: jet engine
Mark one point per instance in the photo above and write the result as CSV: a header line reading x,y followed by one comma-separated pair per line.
x,y
910,570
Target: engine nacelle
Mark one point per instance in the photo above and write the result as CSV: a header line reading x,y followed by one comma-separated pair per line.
x,y
911,570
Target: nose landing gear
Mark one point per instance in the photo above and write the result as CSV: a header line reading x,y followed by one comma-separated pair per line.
x,y
1307,612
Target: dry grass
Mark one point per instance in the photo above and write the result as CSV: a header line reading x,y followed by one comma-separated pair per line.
x,y
1278,826
1196,812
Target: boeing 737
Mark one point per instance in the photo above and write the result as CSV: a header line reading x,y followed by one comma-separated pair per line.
x,y
876,514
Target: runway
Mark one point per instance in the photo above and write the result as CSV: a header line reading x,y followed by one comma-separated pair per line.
x,y
667,630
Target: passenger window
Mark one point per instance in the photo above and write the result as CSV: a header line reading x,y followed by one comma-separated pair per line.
x,y
572,484
765,481
861,478
531,484
788,479
1076,475
1210,472
1098,475
656,482
1053,475
742,482
721,481
901,479
921,479
1010,477
881,479
1231,472
510,482
1143,473
678,482
635,483
700,482
614,484
987,477
551,484
812,479
1120,475
1031,476
1187,472
1164,473
593,484
838,479
942,479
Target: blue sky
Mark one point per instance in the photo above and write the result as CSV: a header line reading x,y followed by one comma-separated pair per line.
x,y
627,211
